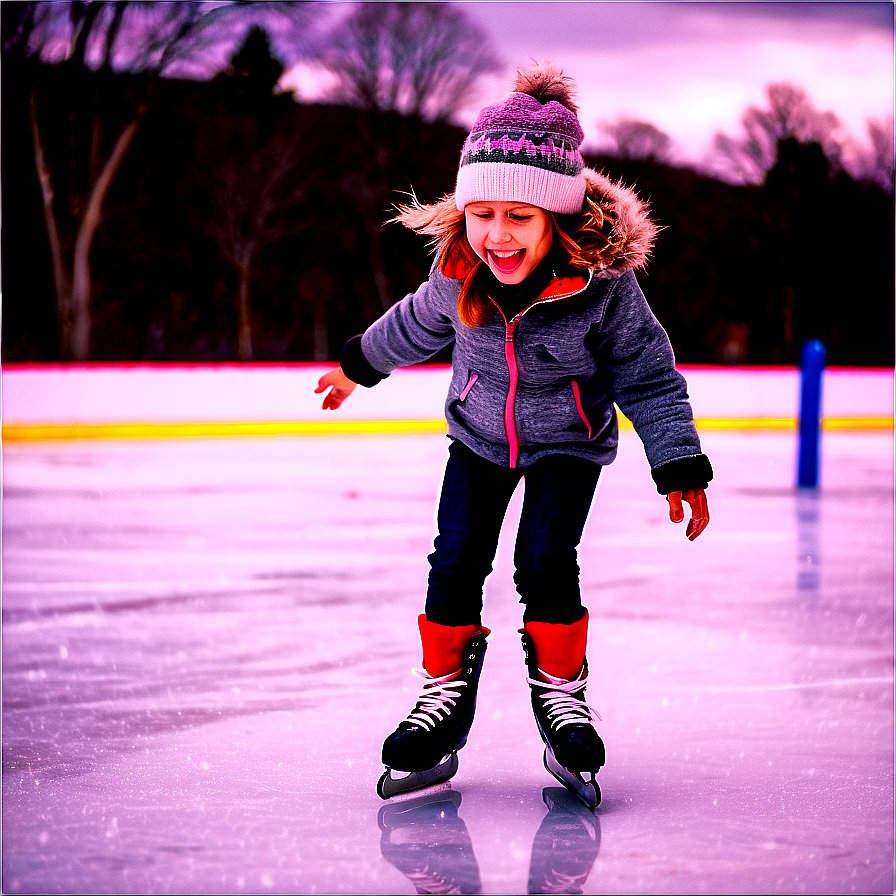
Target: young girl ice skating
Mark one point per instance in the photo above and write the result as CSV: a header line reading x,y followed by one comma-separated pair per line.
x,y
534,284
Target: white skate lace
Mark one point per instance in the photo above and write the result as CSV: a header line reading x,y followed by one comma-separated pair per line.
x,y
436,699
563,707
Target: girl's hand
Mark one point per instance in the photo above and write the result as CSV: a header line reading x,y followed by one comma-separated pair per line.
x,y
696,497
340,387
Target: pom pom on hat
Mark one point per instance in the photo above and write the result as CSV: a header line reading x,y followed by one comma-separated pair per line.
x,y
526,148
546,82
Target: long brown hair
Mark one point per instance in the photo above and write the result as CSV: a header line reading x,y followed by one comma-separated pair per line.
x,y
585,237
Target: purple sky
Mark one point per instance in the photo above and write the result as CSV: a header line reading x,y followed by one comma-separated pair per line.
x,y
692,69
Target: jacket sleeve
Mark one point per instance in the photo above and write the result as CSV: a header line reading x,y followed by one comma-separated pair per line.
x,y
414,329
634,351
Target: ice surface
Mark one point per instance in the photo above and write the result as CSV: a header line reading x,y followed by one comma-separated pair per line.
x,y
205,642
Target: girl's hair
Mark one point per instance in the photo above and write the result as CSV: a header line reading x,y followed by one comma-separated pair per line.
x,y
585,237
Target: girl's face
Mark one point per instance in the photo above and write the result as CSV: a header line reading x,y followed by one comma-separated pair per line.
x,y
510,237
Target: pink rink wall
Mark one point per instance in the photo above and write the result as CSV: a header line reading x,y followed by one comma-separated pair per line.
x,y
72,401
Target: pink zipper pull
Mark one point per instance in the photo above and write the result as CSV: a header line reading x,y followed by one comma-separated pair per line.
x,y
470,384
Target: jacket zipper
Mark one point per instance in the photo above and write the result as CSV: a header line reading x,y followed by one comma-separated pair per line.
x,y
509,418
513,439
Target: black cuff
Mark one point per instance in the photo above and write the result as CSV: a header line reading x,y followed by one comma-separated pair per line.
x,y
682,474
356,367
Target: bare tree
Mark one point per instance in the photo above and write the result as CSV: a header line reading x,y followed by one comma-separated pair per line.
x,y
420,59
258,176
634,140
790,115
88,40
18,24
876,165
257,200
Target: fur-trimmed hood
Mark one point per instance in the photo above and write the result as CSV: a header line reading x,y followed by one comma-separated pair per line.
x,y
632,232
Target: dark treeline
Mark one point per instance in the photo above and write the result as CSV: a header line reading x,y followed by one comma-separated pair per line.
x,y
244,225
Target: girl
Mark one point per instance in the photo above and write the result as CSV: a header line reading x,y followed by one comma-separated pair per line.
x,y
534,284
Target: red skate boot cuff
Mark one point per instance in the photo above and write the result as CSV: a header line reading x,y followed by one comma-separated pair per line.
x,y
560,649
443,645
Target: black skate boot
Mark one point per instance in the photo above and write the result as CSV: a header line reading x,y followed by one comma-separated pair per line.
x,y
422,751
574,751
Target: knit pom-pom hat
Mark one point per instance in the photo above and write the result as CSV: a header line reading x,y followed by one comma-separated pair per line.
x,y
526,148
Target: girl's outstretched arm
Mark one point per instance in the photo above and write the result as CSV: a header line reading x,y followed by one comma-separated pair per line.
x,y
340,387
696,498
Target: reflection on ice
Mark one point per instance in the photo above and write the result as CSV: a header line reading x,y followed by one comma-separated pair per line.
x,y
808,542
565,846
427,841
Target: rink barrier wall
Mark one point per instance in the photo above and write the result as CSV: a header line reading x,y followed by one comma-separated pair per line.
x,y
140,401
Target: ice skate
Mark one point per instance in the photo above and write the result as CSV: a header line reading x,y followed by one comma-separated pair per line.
x,y
574,751
422,751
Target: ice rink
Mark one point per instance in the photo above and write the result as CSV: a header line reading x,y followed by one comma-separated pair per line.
x,y
206,640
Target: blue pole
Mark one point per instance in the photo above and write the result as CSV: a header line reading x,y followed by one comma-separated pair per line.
x,y
812,358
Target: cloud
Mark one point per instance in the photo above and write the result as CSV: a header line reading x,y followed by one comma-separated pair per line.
x,y
567,26
693,68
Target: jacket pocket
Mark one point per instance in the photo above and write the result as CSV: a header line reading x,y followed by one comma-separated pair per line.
x,y
577,396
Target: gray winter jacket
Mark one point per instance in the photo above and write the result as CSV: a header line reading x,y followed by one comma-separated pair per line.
x,y
546,381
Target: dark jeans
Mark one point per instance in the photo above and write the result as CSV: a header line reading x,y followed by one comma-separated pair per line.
x,y
475,494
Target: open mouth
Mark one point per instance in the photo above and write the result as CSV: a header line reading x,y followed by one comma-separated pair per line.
x,y
506,261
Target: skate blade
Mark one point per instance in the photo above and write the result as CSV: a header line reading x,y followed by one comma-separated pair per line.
x,y
587,792
421,793
393,783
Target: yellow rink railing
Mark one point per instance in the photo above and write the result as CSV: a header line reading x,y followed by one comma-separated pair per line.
x,y
36,432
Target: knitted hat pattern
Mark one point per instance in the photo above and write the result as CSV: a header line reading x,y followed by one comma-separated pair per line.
x,y
526,148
